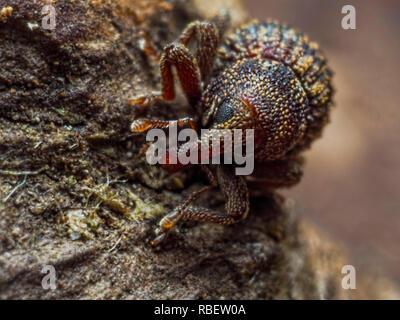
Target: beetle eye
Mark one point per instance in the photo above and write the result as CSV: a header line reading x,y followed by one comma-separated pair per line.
x,y
224,113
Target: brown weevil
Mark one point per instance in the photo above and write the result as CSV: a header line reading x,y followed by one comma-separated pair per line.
x,y
263,76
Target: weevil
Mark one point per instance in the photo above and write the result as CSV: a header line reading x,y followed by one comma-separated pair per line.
x,y
264,76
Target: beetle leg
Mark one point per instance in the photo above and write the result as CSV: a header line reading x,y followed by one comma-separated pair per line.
x,y
175,55
208,35
173,218
191,69
142,125
237,203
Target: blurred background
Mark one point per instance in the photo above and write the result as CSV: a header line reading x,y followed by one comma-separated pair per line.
x,y
351,186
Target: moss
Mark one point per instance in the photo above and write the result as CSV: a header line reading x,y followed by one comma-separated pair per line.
x,y
81,223
144,209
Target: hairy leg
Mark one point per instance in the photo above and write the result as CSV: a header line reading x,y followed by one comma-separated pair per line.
x,y
191,69
236,208
175,55
142,125
208,35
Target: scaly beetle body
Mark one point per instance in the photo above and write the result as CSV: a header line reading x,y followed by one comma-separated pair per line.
x,y
263,76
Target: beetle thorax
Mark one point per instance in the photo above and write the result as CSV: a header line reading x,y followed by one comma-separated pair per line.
x,y
276,105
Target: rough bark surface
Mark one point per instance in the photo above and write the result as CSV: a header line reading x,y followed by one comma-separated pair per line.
x,y
76,192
